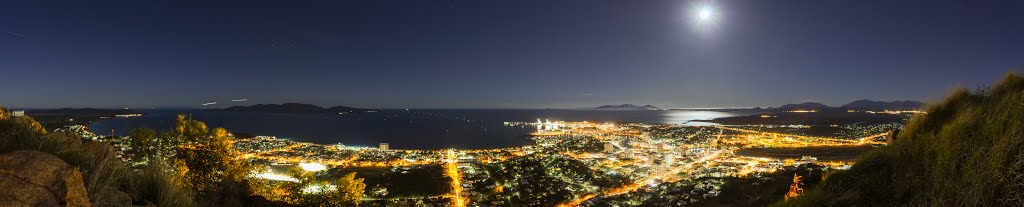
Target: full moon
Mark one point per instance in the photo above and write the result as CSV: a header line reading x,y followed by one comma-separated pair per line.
x,y
705,13
705,17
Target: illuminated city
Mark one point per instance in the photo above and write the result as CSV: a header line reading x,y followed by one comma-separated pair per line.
x,y
607,162
521,103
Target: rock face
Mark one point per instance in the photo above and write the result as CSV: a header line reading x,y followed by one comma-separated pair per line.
x,y
3,113
32,178
112,197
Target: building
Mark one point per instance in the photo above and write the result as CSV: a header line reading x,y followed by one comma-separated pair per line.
x,y
670,159
806,160
384,146
18,113
608,147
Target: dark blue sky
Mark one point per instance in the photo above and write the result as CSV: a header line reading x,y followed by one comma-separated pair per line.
x,y
499,53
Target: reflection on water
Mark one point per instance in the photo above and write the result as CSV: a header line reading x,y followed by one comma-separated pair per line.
x,y
687,118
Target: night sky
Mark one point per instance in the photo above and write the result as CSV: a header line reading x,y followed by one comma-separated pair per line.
x,y
499,53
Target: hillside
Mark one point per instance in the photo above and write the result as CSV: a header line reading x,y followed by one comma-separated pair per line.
x,y
965,152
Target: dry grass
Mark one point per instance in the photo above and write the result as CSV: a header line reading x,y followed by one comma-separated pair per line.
x,y
99,165
965,152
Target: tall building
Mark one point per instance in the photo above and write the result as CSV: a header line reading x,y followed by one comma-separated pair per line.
x,y
383,146
608,147
670,159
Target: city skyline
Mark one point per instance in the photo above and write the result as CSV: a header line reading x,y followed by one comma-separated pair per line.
x,y
521,54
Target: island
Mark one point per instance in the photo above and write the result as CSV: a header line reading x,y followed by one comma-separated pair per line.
x,y
624,107
56,118
292,108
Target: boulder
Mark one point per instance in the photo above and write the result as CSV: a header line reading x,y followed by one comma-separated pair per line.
x,y
67,139
147,204
112,197
98,150
33,178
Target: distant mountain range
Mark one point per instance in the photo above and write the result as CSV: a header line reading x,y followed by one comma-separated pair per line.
x,y
79,112
290,108
860,105
804,106
624,107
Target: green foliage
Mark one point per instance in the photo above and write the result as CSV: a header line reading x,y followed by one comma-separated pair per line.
x,y
99,166
205,164
24,122
157,184
101,169
422,181
761,191
544,180
581,144
142,142
189,131
349,191
965,152
20,133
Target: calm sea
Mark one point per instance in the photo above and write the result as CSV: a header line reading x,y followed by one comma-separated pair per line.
x,y
403,129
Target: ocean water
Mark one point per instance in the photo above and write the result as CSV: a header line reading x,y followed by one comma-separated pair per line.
x,y
402,129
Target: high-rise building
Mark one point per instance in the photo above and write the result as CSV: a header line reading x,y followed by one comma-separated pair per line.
x,y
670,159
383,146
608,147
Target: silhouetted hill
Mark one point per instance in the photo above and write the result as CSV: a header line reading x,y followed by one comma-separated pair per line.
x,y
804,106
56,118
289,108
625,107
965,151
870,105
79,112
860,105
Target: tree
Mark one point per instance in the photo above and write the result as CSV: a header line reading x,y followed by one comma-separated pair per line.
x,y
207,154
142,142
350,190
795,189
190,131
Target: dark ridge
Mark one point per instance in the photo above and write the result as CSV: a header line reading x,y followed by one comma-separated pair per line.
x,y
290,108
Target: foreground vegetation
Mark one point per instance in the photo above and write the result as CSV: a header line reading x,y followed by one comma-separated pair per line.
x,y
188,165
967,151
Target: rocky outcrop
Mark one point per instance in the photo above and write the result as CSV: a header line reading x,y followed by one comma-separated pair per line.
x,y
112,197
3,113
102,156
97,150
33,178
